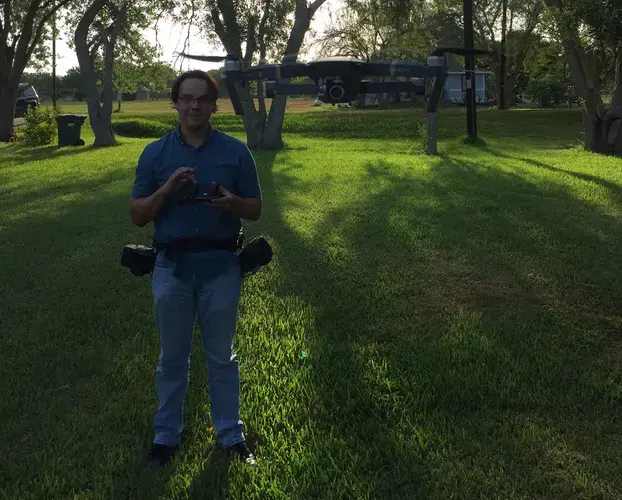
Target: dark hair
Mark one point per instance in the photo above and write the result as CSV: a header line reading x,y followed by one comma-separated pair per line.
x,y
212,86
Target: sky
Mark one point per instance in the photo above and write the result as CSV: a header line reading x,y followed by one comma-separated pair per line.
x,y
171,37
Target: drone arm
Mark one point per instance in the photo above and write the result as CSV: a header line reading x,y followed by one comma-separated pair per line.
x,y
437,91
272,72
461,51
388,87
399,68
294,88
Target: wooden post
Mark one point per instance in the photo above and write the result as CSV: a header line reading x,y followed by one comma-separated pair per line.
x,y
469,70
430,123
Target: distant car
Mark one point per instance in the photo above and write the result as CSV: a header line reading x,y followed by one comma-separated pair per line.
x,y
27,98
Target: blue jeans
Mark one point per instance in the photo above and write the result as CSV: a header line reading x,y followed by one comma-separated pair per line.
x,y
179,298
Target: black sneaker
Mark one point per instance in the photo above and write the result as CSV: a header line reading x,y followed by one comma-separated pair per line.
x,y
242,451
161,454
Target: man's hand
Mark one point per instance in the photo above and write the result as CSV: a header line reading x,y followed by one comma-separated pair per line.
x,y
144,210
178,179
247,208
227,201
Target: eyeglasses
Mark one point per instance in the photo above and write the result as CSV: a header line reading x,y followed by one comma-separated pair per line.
x,y
187,99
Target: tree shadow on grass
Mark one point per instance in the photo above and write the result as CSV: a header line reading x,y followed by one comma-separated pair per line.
x,y
459,344
24,198
21,154
458,313
614,189
73,387
79,348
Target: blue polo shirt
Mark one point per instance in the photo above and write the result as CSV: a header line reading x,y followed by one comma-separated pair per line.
x,y
223,159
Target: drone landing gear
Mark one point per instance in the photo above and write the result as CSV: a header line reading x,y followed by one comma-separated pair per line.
x,y
430,125
430,122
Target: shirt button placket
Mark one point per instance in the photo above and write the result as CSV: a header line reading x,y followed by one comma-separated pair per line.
x,y
196,153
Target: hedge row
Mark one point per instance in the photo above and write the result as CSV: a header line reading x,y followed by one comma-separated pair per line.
x,y
356,124
329,125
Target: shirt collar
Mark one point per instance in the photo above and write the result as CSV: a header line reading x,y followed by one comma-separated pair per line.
x,y
180,139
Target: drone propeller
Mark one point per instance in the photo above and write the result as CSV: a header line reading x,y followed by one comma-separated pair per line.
x,y
461,51
208,58
397,69
276,71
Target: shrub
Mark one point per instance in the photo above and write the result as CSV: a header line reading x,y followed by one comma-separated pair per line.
x,y
40,126
139,127
545,92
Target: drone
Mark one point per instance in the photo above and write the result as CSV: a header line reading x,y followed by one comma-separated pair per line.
x,y
339,79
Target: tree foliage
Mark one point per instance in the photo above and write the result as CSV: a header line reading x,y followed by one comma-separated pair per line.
x,y
591,34
377,29
109,32
23,25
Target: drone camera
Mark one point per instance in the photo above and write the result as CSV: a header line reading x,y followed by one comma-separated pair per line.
x,y
336,92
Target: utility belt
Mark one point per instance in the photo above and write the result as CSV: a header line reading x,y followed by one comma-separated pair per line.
x,y
140,259
196,245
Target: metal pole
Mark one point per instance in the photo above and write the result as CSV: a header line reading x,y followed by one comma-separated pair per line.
x,y
54,56
469,66
502,59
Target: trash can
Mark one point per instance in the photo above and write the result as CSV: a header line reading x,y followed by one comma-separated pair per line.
x,y
69,129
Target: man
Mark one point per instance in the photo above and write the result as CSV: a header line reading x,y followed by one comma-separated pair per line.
x,y
197,271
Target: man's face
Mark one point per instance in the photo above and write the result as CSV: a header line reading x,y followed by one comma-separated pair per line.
x,y
193,106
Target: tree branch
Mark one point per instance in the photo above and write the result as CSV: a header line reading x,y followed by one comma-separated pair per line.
x,y
302,19
315,6
42,24
82,50
4,31
26,42
109,58
618,71
250,40
262,30
24,37
232,33
159,16
220,29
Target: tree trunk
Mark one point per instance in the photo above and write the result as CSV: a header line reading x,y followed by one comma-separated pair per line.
x,y
99,116
8,98
612,132
603,128
273,133
16,49
101,124
261,132
254,121
261,98
254,126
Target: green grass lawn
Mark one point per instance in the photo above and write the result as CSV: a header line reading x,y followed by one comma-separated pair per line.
x,y
158,106
430,327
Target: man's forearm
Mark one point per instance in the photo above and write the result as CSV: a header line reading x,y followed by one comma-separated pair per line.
x,y
144,210
247,208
